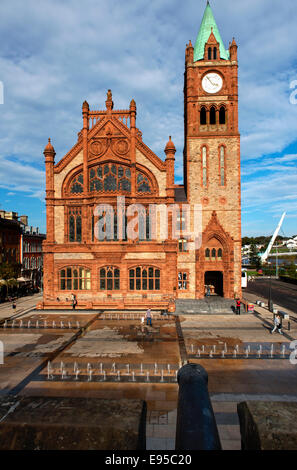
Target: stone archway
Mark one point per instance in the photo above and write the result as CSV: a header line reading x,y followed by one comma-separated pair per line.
x,y
215,279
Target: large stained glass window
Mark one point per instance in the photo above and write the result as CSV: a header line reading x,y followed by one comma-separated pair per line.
x,y
77,184
143,184
110,177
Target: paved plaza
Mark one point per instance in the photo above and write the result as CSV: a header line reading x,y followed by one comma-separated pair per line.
x,y
110,355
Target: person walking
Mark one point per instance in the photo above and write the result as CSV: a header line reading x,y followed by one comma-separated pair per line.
x,y
207,291
149,317
238,304
74,301
277,324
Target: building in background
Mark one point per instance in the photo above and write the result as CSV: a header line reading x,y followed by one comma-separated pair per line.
x,y
21,244
10,238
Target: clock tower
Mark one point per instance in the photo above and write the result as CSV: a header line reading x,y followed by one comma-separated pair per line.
x,y
212,157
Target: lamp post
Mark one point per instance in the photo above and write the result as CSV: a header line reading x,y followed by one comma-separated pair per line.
x,y
270,303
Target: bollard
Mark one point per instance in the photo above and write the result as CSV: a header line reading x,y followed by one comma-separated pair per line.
x,y
196,428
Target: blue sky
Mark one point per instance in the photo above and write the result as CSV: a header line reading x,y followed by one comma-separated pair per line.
x,y
55,54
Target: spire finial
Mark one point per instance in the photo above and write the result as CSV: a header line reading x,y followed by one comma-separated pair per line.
x,y
109,102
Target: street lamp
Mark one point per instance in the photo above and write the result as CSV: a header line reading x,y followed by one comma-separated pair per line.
x,y
270,303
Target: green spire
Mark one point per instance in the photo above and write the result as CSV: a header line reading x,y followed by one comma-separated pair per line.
x,y
207,23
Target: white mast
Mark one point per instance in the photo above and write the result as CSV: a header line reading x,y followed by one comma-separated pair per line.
x,y
265,255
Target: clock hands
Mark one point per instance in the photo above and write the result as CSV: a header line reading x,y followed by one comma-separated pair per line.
x,y
213,84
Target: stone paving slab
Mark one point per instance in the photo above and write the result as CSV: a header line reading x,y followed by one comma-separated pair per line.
x,y
60,423
110,341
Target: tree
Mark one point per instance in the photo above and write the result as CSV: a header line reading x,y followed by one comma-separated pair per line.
x,y
255,259
9,271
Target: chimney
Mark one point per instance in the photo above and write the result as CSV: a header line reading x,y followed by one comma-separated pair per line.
x,y
24,219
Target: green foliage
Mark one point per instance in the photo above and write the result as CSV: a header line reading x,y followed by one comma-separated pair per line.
x,y
255,259
9,271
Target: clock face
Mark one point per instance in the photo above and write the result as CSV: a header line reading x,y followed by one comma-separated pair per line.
x,y
212,82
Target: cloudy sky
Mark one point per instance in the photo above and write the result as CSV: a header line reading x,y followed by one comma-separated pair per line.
x,y
54,54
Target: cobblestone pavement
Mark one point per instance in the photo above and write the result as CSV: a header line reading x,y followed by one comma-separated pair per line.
x,y
97,354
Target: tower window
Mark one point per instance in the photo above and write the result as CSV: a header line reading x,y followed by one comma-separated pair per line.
x,y
212,117
204,166
222,115
203,116
222,166
214,53
209,53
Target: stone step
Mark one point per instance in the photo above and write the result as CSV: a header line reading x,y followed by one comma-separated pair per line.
x,y
212,305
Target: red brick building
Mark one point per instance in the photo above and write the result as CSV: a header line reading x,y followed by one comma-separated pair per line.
x,y
110,160
10,240
32,256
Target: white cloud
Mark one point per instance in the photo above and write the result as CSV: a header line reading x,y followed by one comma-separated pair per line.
x,y
54,55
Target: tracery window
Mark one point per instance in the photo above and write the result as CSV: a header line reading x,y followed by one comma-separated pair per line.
x,y
75,278
75,225
142,184
109,278
110,177
77,184
105,227
144,278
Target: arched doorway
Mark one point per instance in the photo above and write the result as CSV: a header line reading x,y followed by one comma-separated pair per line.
x,y
215,279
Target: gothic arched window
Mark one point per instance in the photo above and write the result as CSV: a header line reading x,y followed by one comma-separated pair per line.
x,y
109,278
209,53
207,253
213,254
144,278
77,184
142,184
75,278
203,116
222,115
220,254
212,115
215,53
74,224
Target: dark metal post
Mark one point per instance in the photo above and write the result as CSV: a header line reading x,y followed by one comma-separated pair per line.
x,y
196,428
270,303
